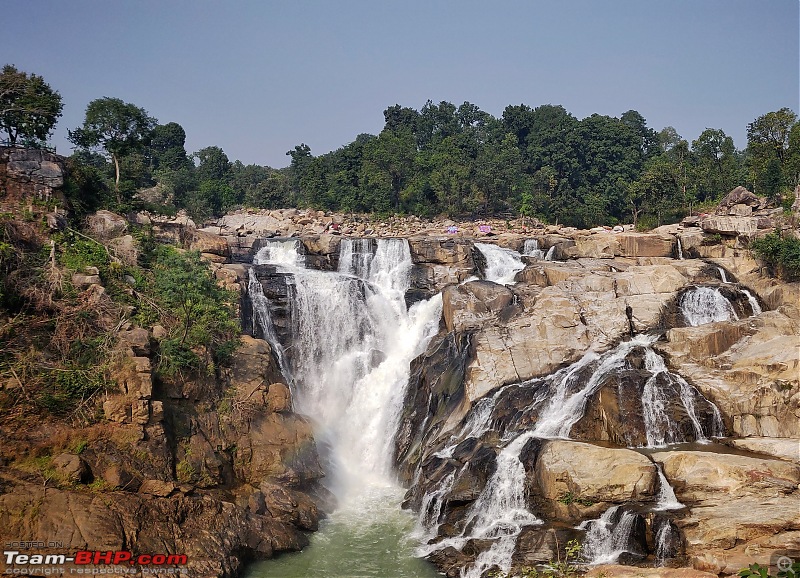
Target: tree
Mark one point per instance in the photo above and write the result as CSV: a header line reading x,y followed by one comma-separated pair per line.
x,y
117,127
768,138
167,147
29,108
213,164
717,164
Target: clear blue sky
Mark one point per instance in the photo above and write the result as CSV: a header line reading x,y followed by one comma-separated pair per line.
x,y
257,78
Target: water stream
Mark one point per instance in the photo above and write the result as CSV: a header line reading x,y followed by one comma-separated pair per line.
x,y
502,265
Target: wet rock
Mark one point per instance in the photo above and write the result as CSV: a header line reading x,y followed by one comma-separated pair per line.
x,y
469,306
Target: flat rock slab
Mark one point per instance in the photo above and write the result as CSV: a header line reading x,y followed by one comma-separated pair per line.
x,y
783,448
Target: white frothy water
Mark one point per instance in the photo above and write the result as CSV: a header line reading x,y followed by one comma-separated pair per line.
x,y
284,252
666,495
550,253
565,408
680,249
663,541
353,340
606,541
531,249
706,305
502,265
753,302
722,275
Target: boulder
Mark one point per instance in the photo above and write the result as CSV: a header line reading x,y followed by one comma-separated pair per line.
x,y
783,448
279,398
83,281
209,243
738,197
125,249
579,479
648,280
467,307
72,469
645,245
731,226
156,488
106,224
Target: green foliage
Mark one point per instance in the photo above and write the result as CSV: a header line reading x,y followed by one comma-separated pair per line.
x,y
758,571
78,252
206,329
781,252
568,498
29,108
566,568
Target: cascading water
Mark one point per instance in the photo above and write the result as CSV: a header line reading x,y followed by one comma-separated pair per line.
x,y
550,253
608,537
702,305
680,249
722,275
531,249
753,302
665,538
502,265
666,495
352,342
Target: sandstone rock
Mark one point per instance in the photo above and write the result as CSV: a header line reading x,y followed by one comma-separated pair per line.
x,y
617,571
125,249
594,475
732,226
72,468
118,477
645,245
783,448
648,280
738,196
137,339
83,281
467,307
740,210
209,243
156,488
106,224
159,332
278,398
290,507
117,408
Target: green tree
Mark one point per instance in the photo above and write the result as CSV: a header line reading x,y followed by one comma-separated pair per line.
x,y
768,138
717,166
29,108
212,164
167,146
117,127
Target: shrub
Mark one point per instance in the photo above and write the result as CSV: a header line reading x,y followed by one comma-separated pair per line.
x,y
780,252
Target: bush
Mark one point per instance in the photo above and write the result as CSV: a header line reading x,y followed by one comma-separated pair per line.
x,y
780,252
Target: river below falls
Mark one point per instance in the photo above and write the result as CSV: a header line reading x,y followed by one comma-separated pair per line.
x,y
367,537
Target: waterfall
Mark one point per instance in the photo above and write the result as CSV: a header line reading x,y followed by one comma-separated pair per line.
x,y
353,340
706,305
606,539
431,509
502,265
722,275
680,249
565,408
261,315
664,542
753,302
355,256
531,249
550,252
500,511
666,495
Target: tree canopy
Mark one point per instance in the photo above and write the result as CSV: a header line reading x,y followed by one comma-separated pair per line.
x,y
29,108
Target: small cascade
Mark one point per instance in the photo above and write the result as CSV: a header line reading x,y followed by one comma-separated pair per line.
x,y
502,265
666,495
478,422
283,253
355,257
610,536
500,512
262,316
753,302
431,509
702,305
550,253
566,407
680,249
667,539
531,249
723,276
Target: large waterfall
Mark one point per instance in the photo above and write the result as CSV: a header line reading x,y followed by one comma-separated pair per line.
x,y
352,342
706,305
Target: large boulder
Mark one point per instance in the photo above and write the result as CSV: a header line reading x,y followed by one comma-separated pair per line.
x,y
467,307
645,245
730,226
209,243
106,224
579,480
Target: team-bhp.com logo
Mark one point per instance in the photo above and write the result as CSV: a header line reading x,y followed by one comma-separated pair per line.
x,y
35,564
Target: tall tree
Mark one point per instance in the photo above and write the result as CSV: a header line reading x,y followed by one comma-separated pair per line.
x,y
29,108
768,139
117,127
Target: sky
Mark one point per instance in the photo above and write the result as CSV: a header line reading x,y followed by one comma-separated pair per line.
x,y
257,78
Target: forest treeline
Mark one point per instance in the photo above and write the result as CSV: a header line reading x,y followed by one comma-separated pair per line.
x,y
441,159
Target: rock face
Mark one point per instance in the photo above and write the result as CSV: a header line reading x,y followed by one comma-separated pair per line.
x,y
29,174
223,457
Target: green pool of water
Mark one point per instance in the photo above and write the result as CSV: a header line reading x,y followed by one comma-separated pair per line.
x,y
367,537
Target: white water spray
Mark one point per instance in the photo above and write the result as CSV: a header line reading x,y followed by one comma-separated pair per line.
x,y
666,495
502,265
550,253
605,540
531,249
753,302
706,305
